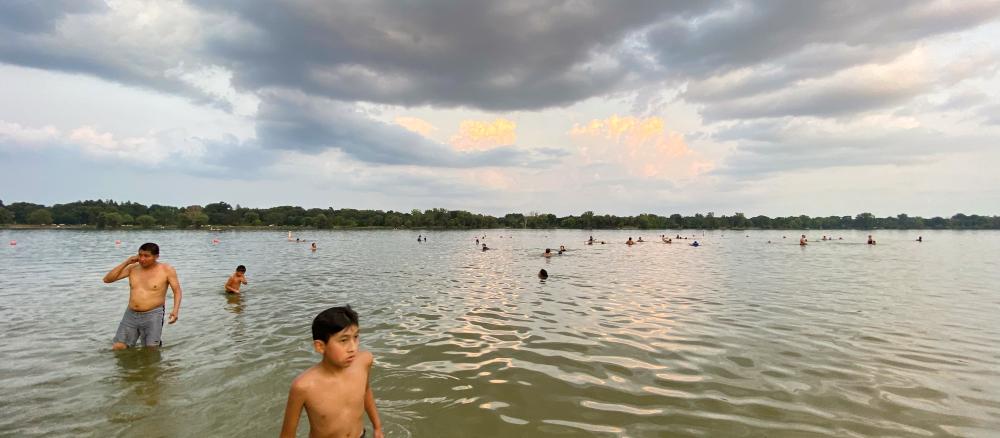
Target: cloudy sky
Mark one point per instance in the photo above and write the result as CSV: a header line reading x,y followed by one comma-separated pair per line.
x,y
769,107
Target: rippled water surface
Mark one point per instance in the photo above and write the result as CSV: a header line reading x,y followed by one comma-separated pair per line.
x,y
735,338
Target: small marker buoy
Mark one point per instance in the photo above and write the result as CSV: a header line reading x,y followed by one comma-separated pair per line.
x,y
215,240
13,243
118,242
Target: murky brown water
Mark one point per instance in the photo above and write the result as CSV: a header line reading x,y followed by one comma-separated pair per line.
x,y
735,338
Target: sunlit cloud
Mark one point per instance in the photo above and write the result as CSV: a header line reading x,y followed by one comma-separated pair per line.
x,y
638,136
413,124
99,144
642,145
17,134
480,136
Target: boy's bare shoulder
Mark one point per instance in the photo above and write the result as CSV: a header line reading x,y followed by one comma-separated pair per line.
x,y
305,379
366,357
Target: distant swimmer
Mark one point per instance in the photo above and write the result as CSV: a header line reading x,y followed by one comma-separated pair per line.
x,y
239,277
695,243
803,241
485,248
543,274
667,239
314,246
477,241
640,239
870,240
562,249
920,238
148,282
629,242
591,240
420,238
547,253
824,238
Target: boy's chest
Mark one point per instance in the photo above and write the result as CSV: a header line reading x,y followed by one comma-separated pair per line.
x,y
349,391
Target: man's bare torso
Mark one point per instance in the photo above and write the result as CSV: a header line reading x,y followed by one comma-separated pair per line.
x,y
148,286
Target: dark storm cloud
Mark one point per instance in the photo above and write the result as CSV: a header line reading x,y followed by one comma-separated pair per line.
x,y
32,16
295,122
748,34
483,54
773,45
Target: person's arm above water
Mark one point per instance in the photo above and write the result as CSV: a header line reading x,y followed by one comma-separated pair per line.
x,y
370,404
293,410
121,271
175,285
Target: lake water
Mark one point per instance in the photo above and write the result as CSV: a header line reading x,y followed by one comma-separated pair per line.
x,y
735,338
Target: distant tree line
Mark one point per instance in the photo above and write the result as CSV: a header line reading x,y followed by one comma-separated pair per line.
x,y
111,214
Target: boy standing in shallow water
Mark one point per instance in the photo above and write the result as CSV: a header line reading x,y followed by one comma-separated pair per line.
x,y
239,277
336,391
147,280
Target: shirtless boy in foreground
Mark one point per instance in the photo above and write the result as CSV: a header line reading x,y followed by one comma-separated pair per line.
x,y
336,391
238,278
148,281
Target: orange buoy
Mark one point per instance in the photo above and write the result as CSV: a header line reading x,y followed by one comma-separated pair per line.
x,y
118,242
13,242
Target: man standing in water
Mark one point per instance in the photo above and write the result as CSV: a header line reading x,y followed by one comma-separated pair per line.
x,y
148,281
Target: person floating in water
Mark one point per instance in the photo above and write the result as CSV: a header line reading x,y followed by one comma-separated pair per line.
x,y
666,239
477,241
239,277
485,248
640,239
148,281
870,240
547,253
314,246
420,238
591,240
337,390
629,242
543,274
695,243
562,249
803,241
920,238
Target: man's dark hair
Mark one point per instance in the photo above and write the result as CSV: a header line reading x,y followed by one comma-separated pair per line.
x,y
153,248
241,268
331,321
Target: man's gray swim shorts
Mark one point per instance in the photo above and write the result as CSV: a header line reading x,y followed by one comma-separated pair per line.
x,y
141,326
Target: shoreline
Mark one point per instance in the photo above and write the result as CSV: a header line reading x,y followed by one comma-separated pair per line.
x,y
217,228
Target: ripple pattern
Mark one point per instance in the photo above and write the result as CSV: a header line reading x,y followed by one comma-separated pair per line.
x,y
738,337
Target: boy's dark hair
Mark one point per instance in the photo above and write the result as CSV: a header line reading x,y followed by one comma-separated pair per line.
x,y
153,248
241,268
331,321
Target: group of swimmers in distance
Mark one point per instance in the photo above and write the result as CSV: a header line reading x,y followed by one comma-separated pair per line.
x,y
298,240
335,393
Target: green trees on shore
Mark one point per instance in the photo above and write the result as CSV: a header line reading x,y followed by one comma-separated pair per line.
x,y
111,214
